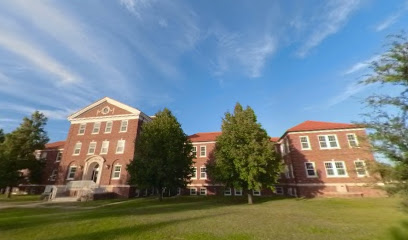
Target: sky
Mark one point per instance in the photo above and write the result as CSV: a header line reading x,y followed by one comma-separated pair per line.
x,y
290,61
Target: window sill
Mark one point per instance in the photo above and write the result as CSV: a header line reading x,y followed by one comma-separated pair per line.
x,y
337,176
119,152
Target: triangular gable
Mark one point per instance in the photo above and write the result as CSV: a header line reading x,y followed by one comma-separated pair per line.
x,y
105,107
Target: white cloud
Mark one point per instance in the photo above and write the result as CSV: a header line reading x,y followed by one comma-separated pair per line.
x,y
350,90
387,22
361,65
56,114
135,6
331,19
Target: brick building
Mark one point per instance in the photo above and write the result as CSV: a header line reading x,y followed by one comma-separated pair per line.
x,y
320,158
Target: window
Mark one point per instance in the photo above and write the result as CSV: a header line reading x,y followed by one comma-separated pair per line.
x,y
71,173
77,148
203,191
352,140
310,169
105,147
287,172
193,191
238,192
43,155
304,142
203,172
290,191
116,172
203,151
91,149
178,191
124,126
360,168
96,128
194,175
59,157
328,141
120,148
81,130
227,192
256,192
195,151
53,175
108,127
335,169
279,190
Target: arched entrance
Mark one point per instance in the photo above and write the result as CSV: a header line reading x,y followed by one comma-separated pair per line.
x,y
93,169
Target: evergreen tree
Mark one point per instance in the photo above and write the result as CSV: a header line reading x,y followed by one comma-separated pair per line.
x,y
244,155
17,152
388,115
163,155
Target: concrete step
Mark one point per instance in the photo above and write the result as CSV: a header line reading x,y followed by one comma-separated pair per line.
x,y
65,199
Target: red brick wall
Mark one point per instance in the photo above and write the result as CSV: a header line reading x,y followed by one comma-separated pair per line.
x,y
202,161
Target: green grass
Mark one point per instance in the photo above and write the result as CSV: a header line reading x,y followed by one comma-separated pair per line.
x,y
18,198
207,218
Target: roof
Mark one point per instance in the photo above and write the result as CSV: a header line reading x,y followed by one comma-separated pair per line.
x,y
274,139
59,144
315,125
204,137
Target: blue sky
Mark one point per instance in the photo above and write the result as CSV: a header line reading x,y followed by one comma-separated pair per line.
x,y
290,61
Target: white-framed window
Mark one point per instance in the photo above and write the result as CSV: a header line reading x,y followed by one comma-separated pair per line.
x,y
92,147
194,151
120,147
96,128
81,130
59,157
256,192
193,191
203,151
43,155
361,168
108,127
203,172
310,169
335,169
116,171
124,126
287,172
194,175
71,172
352,140
237,191
279,190
305,143
328,141
77,148
203,191
53,175
105,147
290,193
227,192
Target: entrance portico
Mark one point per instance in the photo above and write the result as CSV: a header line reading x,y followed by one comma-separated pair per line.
x,y
93,169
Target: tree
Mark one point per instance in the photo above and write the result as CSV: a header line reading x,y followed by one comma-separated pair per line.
x,y
17,152
244,156
387,118
163,156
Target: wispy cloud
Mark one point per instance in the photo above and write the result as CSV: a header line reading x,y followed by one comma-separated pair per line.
x,y
330,20
56,114
361,65
387,22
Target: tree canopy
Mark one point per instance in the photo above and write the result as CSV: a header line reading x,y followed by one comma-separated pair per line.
x,y
244,156
388,110
17,151
163,155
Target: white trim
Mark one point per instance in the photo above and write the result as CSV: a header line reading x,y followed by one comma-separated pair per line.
x,y
237,190
106,125
197,143
327,141
205,184
335,169
94,127
324,131
230,192
281,191
59,153
194,151
194,170
256,192
203,166
355,139
105,118
89,148
191,191
127,125
205,155
364,166
114,171
107,148
117,146
205,190
69,172
308,143
314,169
75,148
79,129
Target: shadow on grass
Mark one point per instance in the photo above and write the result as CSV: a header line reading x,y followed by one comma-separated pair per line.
x,y
15,218
130,230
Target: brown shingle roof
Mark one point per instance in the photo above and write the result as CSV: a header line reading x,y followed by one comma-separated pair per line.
x,y
204,137
315,125
59,144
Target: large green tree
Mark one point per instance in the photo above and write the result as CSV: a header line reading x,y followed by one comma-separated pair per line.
x,y
388,107
163,155
244,156
17,152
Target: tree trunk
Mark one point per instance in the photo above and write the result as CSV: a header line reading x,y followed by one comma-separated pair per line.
x,y
9,191
250,200
160,194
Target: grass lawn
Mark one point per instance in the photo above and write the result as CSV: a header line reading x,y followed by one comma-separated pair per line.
x,y
206,218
